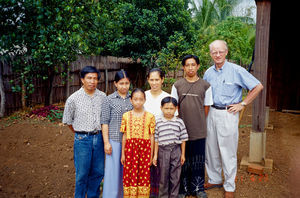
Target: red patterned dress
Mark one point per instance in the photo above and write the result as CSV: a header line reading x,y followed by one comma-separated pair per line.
x,y
136,170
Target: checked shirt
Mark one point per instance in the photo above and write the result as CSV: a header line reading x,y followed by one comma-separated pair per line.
x,y
112,111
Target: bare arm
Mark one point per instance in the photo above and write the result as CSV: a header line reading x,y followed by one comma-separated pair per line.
x,y
182,158
123,149
155,154
152,148
71,128
206,110
107,145
252,94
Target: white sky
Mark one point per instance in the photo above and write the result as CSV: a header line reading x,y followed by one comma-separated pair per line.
x,y
242,9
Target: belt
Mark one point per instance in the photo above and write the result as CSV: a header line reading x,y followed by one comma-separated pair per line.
x,y
221,108
95,132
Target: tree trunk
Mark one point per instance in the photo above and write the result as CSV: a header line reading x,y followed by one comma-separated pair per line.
x,y
49,85
23,93
2,95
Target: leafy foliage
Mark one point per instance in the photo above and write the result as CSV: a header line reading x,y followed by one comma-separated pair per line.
x,y
212,20
52,113
146,27
50,34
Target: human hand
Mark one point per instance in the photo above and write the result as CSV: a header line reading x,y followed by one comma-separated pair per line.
x,y
182,159
155,160
235,108
123,159
151,161
107,148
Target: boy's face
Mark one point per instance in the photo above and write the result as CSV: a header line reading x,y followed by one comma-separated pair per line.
x,y
168,110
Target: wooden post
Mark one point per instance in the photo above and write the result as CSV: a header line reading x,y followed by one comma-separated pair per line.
x,y
258,134
257,146
261,62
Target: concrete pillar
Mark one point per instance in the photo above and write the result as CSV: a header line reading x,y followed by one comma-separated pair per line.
x,y
257,147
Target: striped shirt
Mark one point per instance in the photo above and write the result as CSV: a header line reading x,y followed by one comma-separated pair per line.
x,y
83,111
112,111
170,131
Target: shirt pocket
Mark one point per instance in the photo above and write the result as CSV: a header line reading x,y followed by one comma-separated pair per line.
x,y
228,89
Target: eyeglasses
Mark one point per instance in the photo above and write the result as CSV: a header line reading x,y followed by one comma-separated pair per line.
x,y
214,53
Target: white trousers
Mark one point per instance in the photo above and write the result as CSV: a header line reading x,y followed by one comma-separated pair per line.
x,y
221,147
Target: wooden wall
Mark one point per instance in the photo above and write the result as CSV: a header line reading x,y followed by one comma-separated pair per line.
x,y
283,69
63,87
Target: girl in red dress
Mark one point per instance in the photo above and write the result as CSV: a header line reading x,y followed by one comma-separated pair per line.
x,y
138,127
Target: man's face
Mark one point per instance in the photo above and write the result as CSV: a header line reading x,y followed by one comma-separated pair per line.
x,y
218,53
90,81
190,67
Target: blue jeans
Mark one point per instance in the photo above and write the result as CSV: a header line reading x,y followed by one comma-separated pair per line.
x,y
89,164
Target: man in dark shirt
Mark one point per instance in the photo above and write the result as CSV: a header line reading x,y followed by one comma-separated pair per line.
x,y
194,97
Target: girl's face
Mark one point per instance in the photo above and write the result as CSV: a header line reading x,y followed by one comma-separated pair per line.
x,y
155,81
138,100
123,86
168,110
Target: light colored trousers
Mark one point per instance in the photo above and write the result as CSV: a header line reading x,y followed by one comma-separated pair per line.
x,y
113,174
221,147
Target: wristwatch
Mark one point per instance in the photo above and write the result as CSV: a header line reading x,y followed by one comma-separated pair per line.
x,y
243,104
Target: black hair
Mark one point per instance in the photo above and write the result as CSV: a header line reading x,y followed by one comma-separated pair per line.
x,y
120,75
161,73
169,99
89,69
137,90
190,56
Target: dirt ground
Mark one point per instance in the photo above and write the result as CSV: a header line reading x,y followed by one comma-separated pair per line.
x,y
36,159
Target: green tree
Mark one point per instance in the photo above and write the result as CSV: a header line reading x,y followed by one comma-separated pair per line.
x,y
51,34
146,27
236,33
211,12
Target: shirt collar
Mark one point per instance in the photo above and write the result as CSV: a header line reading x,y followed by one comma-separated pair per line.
x,y
221,69
117,95
166,120
96,93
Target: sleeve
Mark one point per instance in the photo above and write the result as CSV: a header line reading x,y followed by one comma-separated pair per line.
x,y
208,99
205,75
105,111
69,112
156,134
152,125
247,80
174,93
123,127
183,132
